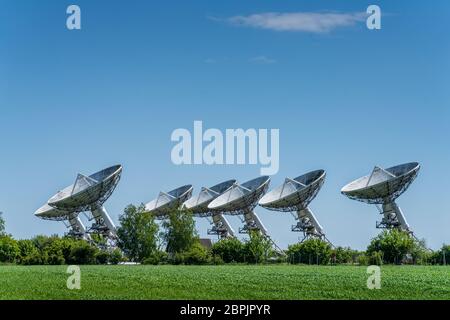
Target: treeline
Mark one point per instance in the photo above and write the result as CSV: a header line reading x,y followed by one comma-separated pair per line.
x,y
141,240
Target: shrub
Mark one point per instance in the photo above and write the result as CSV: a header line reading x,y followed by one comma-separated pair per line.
x,y
376,258
441,256
393,244
83,253
29,254
197,255
156,258
102,257
257,249
229,250
363,260
9,250
342,255
55,250
116,257
311,251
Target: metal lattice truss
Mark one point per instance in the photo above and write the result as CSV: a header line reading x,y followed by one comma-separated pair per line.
x,y
382,185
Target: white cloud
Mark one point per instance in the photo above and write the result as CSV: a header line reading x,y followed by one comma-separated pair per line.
x,y
298,21
262,60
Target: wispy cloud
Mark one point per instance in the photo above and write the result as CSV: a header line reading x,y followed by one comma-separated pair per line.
x,y
262,60
298,21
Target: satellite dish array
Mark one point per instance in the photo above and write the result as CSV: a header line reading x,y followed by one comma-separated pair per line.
x,y
89,193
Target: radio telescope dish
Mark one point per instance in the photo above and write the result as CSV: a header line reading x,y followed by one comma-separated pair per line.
x,y
199,207
296,195
89,193
166,202
77,228
383,187
241,199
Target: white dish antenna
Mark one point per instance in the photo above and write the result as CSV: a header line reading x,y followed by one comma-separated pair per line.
x,y
383,187
72,220
199,207
295,195
166,202
88,194
241,199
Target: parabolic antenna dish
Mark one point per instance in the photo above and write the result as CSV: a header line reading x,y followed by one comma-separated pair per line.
x,y
294,194
199,204
199,207
49,213
88,191
382,185
168,201
241,198
77,228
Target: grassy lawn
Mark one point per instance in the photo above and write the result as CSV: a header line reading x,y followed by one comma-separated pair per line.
x,y
224,282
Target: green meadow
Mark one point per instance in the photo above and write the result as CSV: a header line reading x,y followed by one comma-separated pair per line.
x,y
225,282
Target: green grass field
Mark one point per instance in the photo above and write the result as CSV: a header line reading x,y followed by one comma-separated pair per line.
x,y
224,282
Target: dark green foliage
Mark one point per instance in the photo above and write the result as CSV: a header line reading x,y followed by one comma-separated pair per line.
x,y
311,251
138,233
442,256
376,258
9,249
393,245
179,232
197,255
29,254
341,255
257,249
116,256
230,250
82,253
102,257
157,257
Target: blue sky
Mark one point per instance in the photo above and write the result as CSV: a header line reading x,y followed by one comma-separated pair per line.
x,y
344,99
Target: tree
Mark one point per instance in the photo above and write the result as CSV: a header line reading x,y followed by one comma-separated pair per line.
x,y
137,234
29,254
229,250
393,245
197,255
343,255
257,248
9,249
83,253
311,251
441,256
2,225
179,231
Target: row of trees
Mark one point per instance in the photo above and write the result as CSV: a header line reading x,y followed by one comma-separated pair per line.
x,y
141,240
